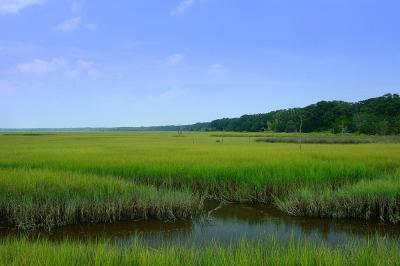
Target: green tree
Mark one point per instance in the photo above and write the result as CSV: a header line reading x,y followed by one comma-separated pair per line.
x,y
291,126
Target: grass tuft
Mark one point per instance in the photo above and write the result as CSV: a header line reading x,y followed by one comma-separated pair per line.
x,y
367,199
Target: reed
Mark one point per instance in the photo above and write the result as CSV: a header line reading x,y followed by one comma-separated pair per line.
x,y
31,199
367,199
267,252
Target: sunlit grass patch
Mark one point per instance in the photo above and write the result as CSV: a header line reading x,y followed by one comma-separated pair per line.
x,y
32,199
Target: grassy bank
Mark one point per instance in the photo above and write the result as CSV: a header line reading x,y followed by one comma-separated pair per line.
x,y
366,199
32,199
268,252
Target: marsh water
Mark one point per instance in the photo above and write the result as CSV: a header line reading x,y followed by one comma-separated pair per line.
x,y
224,224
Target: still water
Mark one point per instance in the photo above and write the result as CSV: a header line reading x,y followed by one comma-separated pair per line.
x,y
224,224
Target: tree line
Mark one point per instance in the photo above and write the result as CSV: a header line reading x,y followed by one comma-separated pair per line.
x,y
380,115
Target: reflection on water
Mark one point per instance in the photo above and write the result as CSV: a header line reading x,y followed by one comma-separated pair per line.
x,y
225,225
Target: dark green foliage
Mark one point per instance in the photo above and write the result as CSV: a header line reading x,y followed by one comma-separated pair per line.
x,y
379,115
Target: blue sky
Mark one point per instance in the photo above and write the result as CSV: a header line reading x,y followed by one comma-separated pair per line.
x,y
75,63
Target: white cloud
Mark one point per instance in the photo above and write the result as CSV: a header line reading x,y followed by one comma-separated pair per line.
x,y
42,67
175,59
69,24
217,68
91,26
86,66
182,7
14,6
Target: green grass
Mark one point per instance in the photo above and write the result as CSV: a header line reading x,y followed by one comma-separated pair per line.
x,y
68,178
366,199
162,156
267,252
80,169
31,199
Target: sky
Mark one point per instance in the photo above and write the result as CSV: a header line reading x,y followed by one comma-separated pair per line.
x,y
87,63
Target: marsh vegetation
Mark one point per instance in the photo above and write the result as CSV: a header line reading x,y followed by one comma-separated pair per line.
x,y
269,251
53,180
73,171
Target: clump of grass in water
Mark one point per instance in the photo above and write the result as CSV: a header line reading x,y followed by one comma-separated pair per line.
x,y
367,199
268,252
45,199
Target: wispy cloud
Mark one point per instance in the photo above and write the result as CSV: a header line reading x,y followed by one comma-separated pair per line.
x,y
14,6
43,67
87,67
69,24
175,59
182,7
91,26
217,68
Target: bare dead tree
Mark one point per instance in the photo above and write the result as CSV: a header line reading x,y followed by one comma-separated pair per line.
x,y
343,129
300,129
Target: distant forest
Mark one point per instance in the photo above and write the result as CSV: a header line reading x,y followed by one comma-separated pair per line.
x,y
379,115
375,116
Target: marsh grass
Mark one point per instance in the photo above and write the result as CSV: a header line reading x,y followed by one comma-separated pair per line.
x,y
266,252
161,156
102,177
366,199
31,199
